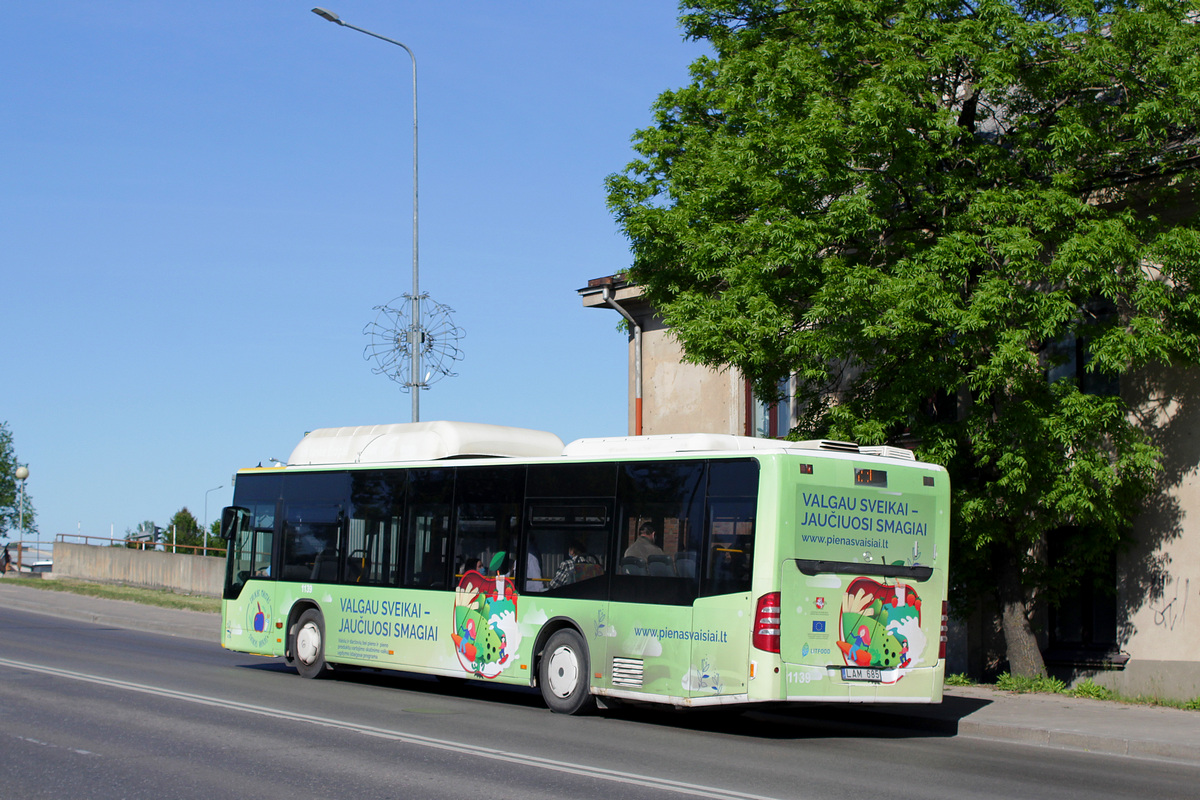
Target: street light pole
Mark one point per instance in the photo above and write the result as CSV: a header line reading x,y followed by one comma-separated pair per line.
x,y
206,494
415,337
22,473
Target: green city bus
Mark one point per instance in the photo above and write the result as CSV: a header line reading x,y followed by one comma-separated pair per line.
x,y
690,570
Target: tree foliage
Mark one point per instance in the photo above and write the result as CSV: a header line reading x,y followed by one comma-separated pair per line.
x,y
924,209
11,503
185,529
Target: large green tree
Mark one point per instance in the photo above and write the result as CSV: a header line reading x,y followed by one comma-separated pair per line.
x,y
13,509
185,529
959,224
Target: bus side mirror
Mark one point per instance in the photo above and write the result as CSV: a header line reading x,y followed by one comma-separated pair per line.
x,y
230,519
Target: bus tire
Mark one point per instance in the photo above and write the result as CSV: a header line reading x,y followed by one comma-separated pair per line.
x,y
308,644
563,674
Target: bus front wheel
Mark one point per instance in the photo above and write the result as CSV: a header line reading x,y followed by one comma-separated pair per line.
x,y
308,644
563,674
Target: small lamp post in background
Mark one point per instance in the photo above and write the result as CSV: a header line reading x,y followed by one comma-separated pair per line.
x,y
414,331
22,473
206,494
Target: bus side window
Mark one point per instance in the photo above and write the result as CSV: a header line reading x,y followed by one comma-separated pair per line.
x,y
427,533
732,501
313,515
487,520
262,551
373,537
572,562
427,528
728,566
568,519
658,532
310,543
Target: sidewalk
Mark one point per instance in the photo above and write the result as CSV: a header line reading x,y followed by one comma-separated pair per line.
x,y
112,613
974,712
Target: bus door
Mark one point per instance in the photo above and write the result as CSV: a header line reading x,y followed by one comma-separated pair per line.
x,y
720,627
565,563
249,594
648,631
659,528
565,569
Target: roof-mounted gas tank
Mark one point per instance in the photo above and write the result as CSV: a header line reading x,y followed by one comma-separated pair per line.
x,y
420,441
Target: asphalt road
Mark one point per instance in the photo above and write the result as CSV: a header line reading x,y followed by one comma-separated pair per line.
x,y
88,711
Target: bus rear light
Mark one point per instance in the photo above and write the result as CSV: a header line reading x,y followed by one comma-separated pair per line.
x,y
945,630
766,623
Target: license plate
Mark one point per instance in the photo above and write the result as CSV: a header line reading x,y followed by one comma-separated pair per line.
x,y
861,674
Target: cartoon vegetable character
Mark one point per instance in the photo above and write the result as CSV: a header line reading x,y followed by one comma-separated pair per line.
x,y
871,616
484,615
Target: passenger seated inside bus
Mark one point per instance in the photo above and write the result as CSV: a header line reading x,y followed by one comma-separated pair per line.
x,y
577,566
646,544
470,565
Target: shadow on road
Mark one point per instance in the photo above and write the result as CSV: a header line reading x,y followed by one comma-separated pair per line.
x,y
756,721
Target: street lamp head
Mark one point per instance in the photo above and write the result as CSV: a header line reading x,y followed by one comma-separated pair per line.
x,y
329,15
22,473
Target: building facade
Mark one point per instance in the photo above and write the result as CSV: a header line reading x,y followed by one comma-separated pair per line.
x,y
1128,630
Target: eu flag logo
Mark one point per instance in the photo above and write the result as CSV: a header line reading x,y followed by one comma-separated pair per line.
x,y
818,626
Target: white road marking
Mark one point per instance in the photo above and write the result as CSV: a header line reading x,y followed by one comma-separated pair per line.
x,y
584,770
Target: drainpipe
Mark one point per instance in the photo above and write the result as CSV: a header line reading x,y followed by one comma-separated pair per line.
x,y
606,293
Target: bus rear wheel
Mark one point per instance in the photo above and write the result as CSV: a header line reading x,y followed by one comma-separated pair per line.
x,y
563,674
308,644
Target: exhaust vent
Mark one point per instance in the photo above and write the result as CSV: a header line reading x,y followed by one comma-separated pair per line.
x,y
889,452
627,672
823,444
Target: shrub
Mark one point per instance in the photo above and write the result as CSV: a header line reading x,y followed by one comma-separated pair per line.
x,y
1012,683
1093,690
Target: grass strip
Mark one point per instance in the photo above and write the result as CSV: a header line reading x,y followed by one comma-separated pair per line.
x,y
1086,688
163,598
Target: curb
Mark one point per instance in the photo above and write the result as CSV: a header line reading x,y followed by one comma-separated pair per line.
x,y
1082,742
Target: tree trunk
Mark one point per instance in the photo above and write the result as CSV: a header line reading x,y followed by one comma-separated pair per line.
x,y
1020,644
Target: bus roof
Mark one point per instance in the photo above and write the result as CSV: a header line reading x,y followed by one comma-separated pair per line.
x,y
432,441
708,443
420,441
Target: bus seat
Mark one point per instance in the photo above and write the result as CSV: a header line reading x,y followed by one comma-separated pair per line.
x,y
584,572
325,567
632,565
660,565
685,564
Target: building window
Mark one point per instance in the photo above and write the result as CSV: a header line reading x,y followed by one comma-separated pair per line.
x,y
1083,618
772,419
1070,356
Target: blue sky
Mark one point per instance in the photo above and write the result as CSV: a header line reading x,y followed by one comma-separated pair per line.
x,y
202,202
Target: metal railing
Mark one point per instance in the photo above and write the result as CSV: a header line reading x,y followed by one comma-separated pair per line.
x,y
141,544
